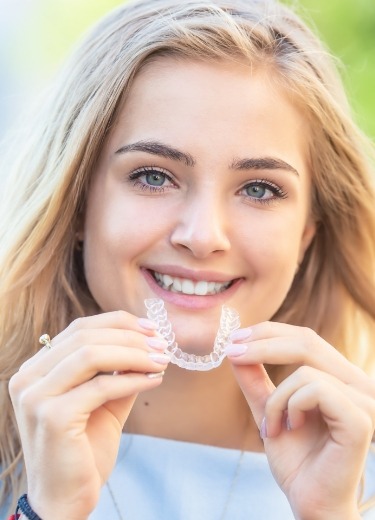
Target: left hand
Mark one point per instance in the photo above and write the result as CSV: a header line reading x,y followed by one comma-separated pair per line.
x,y
317,424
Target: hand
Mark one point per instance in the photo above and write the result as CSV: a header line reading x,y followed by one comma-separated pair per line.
x,y
317,424
71,403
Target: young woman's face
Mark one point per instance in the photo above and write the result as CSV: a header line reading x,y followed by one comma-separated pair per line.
x,y
201,197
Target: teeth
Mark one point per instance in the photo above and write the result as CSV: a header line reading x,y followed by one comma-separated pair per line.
x,y
166,279
186,286
177,285
201,288
211,286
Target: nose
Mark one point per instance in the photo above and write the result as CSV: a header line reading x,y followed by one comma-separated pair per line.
x,y
202,227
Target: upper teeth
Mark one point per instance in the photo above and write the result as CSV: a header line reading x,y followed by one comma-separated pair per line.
x,y
186,286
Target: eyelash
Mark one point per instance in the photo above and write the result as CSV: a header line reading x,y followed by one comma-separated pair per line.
x,y
277,191
135,176
146,170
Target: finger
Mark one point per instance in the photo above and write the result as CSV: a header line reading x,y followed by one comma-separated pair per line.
x,y
45,360
117,393
256,387
281,344
277,403
337,410
111,320
87,362
263,330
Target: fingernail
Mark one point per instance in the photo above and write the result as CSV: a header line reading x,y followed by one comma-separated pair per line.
x,y
157,343
147,324
240,334
163,359
155,375
263,429
235,349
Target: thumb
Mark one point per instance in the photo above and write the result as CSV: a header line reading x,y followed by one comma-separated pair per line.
x,y
121,408
256,386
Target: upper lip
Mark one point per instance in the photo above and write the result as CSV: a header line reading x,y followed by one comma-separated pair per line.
x,y
190,274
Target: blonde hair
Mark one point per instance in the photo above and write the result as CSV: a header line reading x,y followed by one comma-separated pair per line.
x,y
42,282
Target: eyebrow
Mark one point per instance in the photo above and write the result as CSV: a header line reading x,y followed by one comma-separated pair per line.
x,y
263,163
169,152
160,149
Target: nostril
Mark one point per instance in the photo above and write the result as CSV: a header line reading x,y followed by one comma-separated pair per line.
x,y
199,243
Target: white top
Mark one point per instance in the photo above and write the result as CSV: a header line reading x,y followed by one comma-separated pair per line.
x,y
160,479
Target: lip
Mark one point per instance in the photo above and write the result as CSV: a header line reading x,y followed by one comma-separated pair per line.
x,y
190,274
191,301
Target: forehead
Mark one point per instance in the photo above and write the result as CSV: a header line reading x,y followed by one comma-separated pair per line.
x,y
195,104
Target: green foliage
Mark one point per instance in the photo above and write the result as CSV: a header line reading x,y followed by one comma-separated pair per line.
x,y
347,27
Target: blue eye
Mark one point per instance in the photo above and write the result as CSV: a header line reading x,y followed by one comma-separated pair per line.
x,y
152,179
155,178
263,191
256,191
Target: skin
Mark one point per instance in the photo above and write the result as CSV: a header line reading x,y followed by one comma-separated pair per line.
x,y
209,221
201,221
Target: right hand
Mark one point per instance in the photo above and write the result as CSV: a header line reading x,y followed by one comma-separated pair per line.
x,y
71,409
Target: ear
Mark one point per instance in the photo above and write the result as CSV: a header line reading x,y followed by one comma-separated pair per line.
x,y
307,237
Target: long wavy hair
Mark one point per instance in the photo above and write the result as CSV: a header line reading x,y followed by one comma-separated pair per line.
x,y
42,286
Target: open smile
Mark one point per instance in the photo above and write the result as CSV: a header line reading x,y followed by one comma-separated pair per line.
x,y
187,286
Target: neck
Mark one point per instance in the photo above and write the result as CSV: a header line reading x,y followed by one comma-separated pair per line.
x,y
200,407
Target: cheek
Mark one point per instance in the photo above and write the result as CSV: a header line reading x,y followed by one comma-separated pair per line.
x,y
271,256
116,230
274,240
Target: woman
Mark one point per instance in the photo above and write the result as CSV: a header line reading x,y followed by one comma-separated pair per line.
x,y
202,154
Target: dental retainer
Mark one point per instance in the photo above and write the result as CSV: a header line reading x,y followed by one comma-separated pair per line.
x,y
229,321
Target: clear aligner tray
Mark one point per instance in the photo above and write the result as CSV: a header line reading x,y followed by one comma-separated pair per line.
x,y
229,321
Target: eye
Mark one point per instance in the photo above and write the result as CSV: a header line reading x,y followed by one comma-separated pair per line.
x,y
151,178
258,191
263,191
154,178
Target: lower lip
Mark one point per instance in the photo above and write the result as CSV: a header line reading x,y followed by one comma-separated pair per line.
x,y
191,301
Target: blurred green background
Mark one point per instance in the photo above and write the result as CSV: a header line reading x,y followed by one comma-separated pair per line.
x,y
43,36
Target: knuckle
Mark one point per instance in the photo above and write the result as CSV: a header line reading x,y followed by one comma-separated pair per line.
x,y
122,316
78,335
310,342
25,364
15,385
28,401
76,325
87,355
304,373
267,327
320,387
